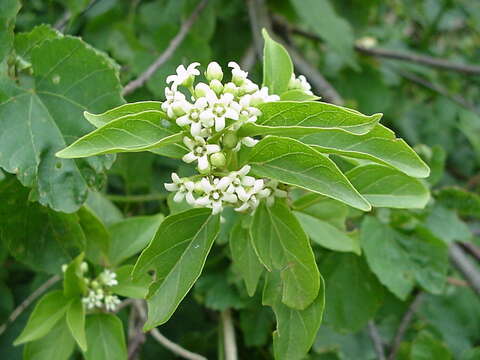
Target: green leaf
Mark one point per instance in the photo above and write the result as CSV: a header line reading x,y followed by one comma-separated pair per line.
x,y
283,246
294,118
103,208
217,293
427,347
294,163
136,132
127,286
379,145
323,208
97,236
296,329
177,253
47,312
58,344
76,322
35,235
105,338
472,354
41,118
297,95
8,12
386,187
327,235
73,280
446,225
352,292
26,42
256,324
131,236
277,66
244,258
466,203
99,120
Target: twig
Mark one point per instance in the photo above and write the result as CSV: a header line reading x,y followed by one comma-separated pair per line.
x,y
170,345
404,324
465,267
376,340
136,335
229,341
60,24
169,51
457,282
26,303
136,198
258,16
473,249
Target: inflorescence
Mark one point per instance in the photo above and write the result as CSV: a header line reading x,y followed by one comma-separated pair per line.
x,y
211,120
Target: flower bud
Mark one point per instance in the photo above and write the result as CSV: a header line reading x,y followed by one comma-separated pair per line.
x,y
64,267
178,108
216,86
230,139
218,160
83,267
205,171
94,284
214,72
230,88
201,90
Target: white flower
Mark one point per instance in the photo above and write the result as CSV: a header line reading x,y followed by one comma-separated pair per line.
x,y
111,302
193,117
273,192
108,278
199,151
262,96
93,299
183,187
238,75
300,83
214,195
220,109
172,97
248,113
184,76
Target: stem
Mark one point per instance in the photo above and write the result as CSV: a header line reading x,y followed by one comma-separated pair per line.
x,y
376,339
464,266
229,341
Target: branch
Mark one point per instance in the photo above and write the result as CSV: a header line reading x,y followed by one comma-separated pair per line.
x,y
136,335
465,267
169,51
404,324
26,303
170,345
376,339
229,341
473,249
257,13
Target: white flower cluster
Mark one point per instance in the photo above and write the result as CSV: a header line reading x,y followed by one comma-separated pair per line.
x,y
300,83
235,189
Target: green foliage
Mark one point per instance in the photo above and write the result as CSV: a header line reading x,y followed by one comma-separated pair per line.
x,y
105,338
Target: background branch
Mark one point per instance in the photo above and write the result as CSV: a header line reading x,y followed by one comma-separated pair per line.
x,y
465,267
229,341
376,339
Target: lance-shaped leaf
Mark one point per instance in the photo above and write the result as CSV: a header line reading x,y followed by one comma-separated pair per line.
x,y
277,65
44,116
76,322
296,329
283,246
105,338
177,253
294,163
294,118
379,145
386,187
130,133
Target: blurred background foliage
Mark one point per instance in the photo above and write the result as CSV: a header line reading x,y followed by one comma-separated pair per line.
x,y
355,46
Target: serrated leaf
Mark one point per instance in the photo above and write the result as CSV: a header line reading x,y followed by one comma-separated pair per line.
x,y
76,322
282,245
131,236
105,338
36,122
127,286
291,162
386,187
296,329
8,12
379,145
177,253
277,66
47,312
130,133
244,258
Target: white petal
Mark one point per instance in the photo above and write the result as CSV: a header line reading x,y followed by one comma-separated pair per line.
x,y
203,163
189,185
171,187
229,197
243,207
217,207
224,182
258,185
231,114
212,148
172,78
242,194
244,170
176,179
189,143
206,186
201,103
219,123
248,181
183,120
233,65
190,199
203,201
195,129
178,197
189,158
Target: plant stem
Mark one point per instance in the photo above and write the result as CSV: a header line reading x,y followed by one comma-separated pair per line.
x,y
229,341
376,339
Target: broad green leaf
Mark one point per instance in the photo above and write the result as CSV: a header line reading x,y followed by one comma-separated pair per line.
x,y
244,258
177,253
127,286
105,338
47,312
379,145
135,132
103,208
282,245
35,235
73,280
277,66
465,202
217,293
296,118
58,344
76,322
8,12
323,208
386,258
97,236
386,187
348,346
294,163
296,329
131,236
99,120
26,42
45,115
297,95
327,235
446,225
426,347
352,292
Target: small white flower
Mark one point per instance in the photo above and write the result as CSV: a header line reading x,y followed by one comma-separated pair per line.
x,y
172,96
272,192
184,76
83,267
300,83
220,109
199,151
262,96
108,278
238,75
215,194
184,189
93,299
111,302
193,117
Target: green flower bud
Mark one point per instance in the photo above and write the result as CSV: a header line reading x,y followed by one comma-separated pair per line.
x,y
216,86
205,171
201,89
230,88
230,139
218,160
214,72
